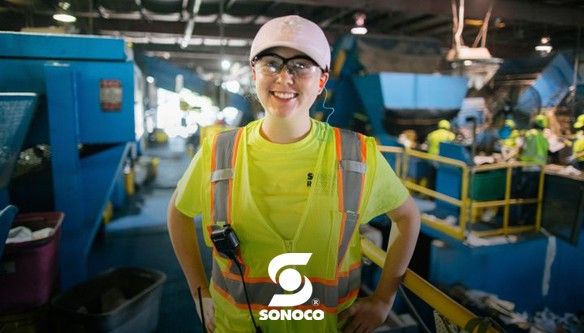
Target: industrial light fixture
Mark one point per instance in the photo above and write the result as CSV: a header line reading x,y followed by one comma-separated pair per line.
x,y
474,22
359,28
499,24
544,46
62,14
225,64
473,61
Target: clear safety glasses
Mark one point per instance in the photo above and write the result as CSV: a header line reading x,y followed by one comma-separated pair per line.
x,y
298,66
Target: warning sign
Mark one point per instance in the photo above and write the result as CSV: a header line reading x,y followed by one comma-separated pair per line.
x,y
110,95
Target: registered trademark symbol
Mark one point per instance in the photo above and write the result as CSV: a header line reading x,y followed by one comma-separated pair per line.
x,y
315,301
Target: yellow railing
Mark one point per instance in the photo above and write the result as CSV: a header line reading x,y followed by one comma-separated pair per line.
x,y
398,152
507,201
466,204
442,303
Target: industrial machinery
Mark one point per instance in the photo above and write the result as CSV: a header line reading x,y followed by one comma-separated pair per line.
x,y
523,87
371,92
392,83
78,95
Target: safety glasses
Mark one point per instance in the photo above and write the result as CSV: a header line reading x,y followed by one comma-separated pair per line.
x,y
298,66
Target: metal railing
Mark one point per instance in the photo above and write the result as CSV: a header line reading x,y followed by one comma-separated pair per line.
x,y
439,301
466,204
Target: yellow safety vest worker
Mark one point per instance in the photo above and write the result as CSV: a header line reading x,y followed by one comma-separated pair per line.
x,y
578,149
511,141
437,136
333,271
535,147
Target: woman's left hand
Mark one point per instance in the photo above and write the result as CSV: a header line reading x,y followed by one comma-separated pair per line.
x,y
365,315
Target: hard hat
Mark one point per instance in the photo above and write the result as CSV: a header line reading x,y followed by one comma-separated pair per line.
x,y
510,123
541,120
444,124
579,122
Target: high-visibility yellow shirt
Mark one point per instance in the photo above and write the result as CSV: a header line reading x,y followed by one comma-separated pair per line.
x,y
578,148
437,136
280,178
535,147
272,189
511,141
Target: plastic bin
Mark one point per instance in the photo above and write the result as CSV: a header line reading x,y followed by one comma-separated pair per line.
x,y
7,215
29,270
121,300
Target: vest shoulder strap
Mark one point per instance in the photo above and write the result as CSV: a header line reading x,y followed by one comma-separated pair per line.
x,y
223,154
351,157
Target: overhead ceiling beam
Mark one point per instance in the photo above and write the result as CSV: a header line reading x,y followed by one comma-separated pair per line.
x,y
190,26
242,31
325,23
427,24
506,9
401,20
239,53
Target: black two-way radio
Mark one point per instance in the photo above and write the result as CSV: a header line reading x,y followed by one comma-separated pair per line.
x,y
226,242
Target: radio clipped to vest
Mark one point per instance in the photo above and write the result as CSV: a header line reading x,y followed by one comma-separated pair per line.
x,y
225,240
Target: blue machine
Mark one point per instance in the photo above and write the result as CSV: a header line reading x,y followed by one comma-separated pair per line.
x,y
398,101
16,112
534,273
368,78
165,74
86,116
367,83
529,84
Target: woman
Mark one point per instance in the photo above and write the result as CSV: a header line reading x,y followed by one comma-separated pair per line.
x,y
287,194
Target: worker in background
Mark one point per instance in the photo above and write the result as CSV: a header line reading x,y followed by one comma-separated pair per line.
x,y
442,134
535,145
408,138
578,148
511,140
286,196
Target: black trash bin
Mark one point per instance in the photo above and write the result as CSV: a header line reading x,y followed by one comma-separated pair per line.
x,y
122,300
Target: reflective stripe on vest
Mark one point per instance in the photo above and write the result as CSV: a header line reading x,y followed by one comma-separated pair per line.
x,y
221,174
260,293
350,155
351,178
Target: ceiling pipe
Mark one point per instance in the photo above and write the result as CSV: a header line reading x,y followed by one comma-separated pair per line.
x,y
190,24
185,10
90,21
339,15
142,10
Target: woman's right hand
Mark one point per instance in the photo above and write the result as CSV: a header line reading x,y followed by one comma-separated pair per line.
x,y
209,311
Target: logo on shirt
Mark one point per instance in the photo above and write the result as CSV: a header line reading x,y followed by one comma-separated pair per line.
x,y
299,289
309,178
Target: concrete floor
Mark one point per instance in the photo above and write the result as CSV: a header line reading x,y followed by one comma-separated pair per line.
x,y
140,239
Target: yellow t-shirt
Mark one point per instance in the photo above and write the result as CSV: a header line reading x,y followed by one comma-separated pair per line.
x,y
281,175
437,136
579,149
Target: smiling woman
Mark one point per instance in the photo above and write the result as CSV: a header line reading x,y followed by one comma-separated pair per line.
x,y
286,95
288,185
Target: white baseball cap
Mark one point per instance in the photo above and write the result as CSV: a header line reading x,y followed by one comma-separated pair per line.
x,y
294,32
